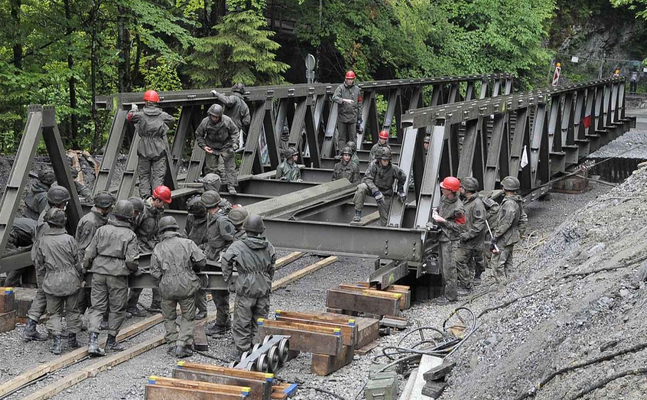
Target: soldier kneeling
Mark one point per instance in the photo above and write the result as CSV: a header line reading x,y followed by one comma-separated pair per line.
x,y
174,264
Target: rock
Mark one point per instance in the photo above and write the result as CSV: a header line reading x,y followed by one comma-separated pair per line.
x,y
624,293
597,249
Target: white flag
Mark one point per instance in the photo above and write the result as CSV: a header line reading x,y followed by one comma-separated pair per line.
x,y
524,157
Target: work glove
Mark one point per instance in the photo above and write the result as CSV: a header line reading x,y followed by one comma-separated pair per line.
x,y
231,286
493,247
133,107
235,146
214,93
402,196
379,197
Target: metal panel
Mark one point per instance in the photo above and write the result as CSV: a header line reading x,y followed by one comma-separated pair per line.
x,y
406,164
429,191
111,152
253,136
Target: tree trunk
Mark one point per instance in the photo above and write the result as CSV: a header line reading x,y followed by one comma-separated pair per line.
x,y
74,118
217,12
17,44
123,44
93,79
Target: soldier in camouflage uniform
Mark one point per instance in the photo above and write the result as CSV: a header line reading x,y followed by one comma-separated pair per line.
x,y
378,182
21,235
220,234
289,170
354,159
237,216
36,197
254,258
472,236
195,229
217,135
510,225
236,108
382,143
345,168
174,263
57,261
451,219
111,257
349,110
152,125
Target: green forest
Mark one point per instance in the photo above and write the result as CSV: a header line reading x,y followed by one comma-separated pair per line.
x,y
67,52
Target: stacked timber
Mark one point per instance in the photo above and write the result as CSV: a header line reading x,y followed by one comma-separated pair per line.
x,y
363,298
7,309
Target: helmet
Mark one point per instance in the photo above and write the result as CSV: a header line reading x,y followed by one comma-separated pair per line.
x,y
292,152
470,184
124,209
46,176
347,150
215,109
427,139
510,183
163,193
138,204
58,195
104,200
237,215
167,223
196,207
384,134
151,96
254,223
210,199
352,145
385,154
451,183
238,87
56,216
350,75
211,181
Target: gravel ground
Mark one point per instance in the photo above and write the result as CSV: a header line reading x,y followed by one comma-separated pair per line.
x,y
632,144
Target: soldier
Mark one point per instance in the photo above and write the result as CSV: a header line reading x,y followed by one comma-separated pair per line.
x,y
211,182
236,108
217,135
57,261
289,170
85,231
237,216
345,168
378,182
57,197
354,159
36,197
152,125
451,218
510,225
349,110
425,143
196,230
145,229
21,235
220,234
472,236
382,142
254,258
174,264
111,257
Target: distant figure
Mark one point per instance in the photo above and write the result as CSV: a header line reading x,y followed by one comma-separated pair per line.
x,y
348,110
633,82
616,73
289,170
382,142
345,168
36,197
236,109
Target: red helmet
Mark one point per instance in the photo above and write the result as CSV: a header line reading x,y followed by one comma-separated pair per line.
x,y
384,134
152,96
163,193
350,75
451,183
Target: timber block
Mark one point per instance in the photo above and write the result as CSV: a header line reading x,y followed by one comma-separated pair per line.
x,y
200,338
368,330
434,389
362,302
345,324
405,291
261,389
155,392
439,371
7,300
203,387
323,365
7,321
283,390
306,341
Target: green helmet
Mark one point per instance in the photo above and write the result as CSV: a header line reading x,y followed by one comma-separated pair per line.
x,y
352,145
104,200
210,199
46,176
347,150
56,217
138,204
385,154
238,215
238,87
292,152
124,209
215,109
510,183
58,195
254,224
196,207
470,184
167,223
427,139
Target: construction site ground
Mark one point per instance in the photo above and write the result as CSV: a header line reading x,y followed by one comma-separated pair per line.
x,y
556,312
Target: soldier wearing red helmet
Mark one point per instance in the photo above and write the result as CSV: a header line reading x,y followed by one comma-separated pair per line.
x,y
349,110
152,125
450,216
382,143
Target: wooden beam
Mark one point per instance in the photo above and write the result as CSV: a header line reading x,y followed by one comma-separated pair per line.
x,y
155,392
283,261
260,389
426,363
362,302
198,385
323,365
303,272
310,342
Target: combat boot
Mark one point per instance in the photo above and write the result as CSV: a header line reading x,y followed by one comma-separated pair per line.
x,y
214,329
171,350
72,343
183,351
93,345
55,348
113,345
31,333
156,307
358,216
201,314
135,311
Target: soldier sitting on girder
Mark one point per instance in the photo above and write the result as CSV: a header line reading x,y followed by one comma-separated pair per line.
x,y
289,170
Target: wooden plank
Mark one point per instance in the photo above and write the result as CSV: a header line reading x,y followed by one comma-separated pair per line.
x,y
283,261
405,301
323,365
353,301
215,369
200,342
310,342
7,300
368,329
283,390
303,272
426,363
367,349
339,319
348,329
155,392
198,385
259,389
406,393
7,321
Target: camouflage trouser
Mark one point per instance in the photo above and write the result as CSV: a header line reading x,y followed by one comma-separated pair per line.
x,y
502,263
221,300
467,269
228,177
133,298
448,269
112,290
201,300
151,175
247,311
347,132
360,197
55,306
39,304
187,323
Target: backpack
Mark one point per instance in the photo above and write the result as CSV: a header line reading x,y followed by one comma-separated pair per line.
x,y
491,209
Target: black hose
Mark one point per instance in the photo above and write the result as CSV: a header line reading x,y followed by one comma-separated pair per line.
x,y
328,392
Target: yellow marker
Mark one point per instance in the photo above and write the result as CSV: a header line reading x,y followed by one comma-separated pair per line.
x,y
180,363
